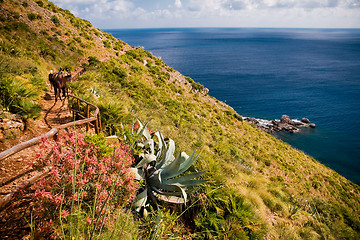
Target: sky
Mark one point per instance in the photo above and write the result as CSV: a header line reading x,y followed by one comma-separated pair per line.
x,y
117,14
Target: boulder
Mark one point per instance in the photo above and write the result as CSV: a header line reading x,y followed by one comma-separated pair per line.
x,y
252,120
286,119
305,120
312,125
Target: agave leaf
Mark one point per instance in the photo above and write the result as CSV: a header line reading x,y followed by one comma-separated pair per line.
x,y
161,142
184,195
172,169
183,178
170,152
141,126
148,158
190,183
138,173
184,156
168,155
155,179
169,187
143,131
140,200
188,162
156,182
152,197
150,144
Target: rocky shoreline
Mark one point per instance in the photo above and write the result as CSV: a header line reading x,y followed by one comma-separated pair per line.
x,y
284,124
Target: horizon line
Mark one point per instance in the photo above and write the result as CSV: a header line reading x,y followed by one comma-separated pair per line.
x,y
314,28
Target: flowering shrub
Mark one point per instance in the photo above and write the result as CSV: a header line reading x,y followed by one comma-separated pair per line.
x,y
88,183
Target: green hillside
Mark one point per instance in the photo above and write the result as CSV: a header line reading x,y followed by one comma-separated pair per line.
x,y
259,187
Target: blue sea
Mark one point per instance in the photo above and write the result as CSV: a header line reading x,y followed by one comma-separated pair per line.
x,y
265,73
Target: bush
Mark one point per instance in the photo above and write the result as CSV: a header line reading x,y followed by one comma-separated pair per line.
x,y
17,97
111,113
195,85
225,215
106,44
33,16
120,72
55,20
93,61
40,3
88,184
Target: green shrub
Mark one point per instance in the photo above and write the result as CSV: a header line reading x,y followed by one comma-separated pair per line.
x,y
40,3
111,113
195,85
17,97
106,44
68,67
12,26
15,15
93,61
55,20
120,72
33,16
224,214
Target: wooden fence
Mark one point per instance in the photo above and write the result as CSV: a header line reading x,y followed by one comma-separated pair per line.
x,y
93,121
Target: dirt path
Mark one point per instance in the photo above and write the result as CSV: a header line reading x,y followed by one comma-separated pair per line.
x,y
15,169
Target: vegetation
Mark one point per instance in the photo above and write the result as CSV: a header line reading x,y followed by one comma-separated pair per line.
x,y
89,182
160,171
259,187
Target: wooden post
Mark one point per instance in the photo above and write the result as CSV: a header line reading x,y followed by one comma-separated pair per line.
x,y
96,126
87,116
99,121
78,105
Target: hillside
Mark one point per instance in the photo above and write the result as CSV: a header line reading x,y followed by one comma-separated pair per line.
x,y
259,187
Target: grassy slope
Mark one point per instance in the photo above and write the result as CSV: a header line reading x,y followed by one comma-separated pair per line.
x,y
260,186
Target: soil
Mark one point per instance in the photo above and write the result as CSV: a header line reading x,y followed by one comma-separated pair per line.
x,y
16,169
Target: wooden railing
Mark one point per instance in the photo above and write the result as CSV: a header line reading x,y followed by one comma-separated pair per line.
x,y
89,121
93,121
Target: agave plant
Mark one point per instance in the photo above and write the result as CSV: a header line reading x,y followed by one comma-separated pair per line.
x,y
163,175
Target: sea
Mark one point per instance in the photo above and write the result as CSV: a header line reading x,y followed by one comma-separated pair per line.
x,y
266,73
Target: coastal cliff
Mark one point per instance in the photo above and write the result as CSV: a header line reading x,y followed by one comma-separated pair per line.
x,y
259,187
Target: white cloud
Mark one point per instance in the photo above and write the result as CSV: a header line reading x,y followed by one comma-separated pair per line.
x,y
217,13
178,3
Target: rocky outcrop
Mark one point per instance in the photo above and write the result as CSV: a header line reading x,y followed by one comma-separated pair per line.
x,y
305,120
8,125
284,124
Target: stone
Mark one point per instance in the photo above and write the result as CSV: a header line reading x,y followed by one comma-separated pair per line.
x,y
312,125
252,120
305,120
286,119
